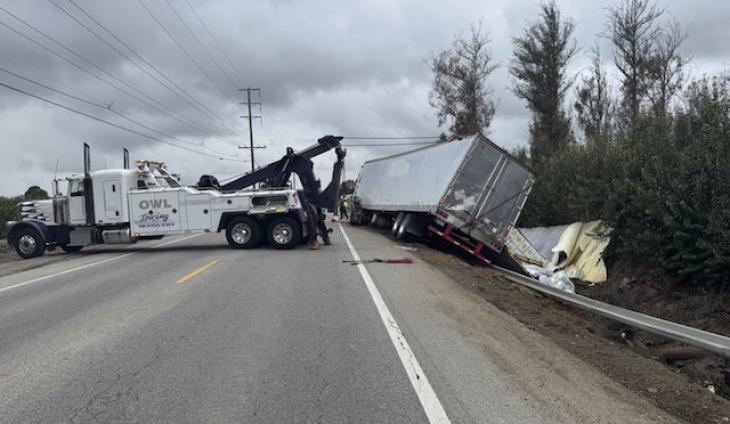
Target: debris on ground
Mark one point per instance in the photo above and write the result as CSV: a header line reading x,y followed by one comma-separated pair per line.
x,y
558,279
380,261
576,249
407,248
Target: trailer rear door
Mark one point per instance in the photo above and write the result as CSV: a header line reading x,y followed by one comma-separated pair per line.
x,y
472,179
504,200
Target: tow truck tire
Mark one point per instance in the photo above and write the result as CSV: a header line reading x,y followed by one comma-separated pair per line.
x,y
284,232
71,249
243,232
29,243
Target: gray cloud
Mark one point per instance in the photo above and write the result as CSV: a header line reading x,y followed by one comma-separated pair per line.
x,y
351,68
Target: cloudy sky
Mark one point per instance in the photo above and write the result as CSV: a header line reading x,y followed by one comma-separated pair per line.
x,y
353,68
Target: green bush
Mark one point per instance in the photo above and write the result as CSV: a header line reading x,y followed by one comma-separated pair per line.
x,y
8,212
663,186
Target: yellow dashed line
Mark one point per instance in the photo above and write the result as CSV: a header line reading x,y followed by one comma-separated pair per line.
x,y
200,270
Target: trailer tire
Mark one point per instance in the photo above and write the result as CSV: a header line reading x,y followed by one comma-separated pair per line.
x,y
29,243
71,249
284,232
243,232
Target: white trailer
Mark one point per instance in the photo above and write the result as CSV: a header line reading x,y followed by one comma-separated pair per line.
x,y
469,192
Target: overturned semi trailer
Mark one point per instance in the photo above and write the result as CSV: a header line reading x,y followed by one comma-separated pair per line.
x,y
469,192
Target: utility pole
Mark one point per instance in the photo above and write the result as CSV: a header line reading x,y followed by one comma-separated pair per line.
x,y
250,117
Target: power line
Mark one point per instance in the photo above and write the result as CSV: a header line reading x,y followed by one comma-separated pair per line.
x,y
394,138
103,107
183,50
96,118
161,108
195,103
215,41
197,40
239,73
389,144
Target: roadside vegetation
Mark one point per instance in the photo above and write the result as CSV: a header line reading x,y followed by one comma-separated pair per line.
x,y
9,206
646,152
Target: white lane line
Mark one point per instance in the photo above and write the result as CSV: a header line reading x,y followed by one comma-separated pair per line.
x,y
78,268
431,404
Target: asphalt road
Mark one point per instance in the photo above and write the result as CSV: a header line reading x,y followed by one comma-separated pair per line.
x,y
186,330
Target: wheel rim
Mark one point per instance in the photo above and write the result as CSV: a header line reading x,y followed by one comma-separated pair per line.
x,y
241,233
283,233
27,244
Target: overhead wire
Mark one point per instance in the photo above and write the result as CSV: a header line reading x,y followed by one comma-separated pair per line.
x,y
200,44
217,44
388,144
121,127
183,50
195,103
161,108
242,79
394,138
103,107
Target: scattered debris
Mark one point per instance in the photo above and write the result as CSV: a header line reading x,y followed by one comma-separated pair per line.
x,y
407,248
682,353
558,279
652,390
574,248
380,261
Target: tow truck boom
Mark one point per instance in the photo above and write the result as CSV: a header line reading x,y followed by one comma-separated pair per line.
x,y
277,174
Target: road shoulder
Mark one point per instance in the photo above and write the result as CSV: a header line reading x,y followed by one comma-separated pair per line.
x,y
482,361
592,340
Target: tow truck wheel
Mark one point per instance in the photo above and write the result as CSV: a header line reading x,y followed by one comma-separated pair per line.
x,y
243,233
284,233
71,249
29,243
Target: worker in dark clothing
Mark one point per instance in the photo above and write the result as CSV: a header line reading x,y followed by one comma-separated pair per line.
x,y
344,209
317,227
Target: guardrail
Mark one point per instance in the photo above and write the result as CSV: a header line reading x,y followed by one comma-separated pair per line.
x,y
682,333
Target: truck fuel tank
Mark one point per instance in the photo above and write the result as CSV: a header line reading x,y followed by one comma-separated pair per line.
x,y
118,236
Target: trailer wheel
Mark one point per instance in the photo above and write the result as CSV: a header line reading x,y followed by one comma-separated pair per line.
x,y
284,233
243,232
71,249
29,243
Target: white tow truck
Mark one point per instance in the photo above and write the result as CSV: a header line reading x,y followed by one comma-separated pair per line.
x,y
118,206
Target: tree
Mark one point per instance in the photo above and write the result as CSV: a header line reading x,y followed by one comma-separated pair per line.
x,y
541,56
35,193
633,31
460,94
593,103
666,67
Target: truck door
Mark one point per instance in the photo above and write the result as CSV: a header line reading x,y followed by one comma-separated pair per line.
x,y
112,200
76,203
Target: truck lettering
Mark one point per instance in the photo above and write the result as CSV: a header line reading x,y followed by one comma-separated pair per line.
x,y
154,204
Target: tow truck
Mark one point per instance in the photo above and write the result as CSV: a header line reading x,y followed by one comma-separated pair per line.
x,y
121,206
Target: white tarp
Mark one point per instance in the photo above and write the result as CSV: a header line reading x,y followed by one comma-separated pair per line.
x,y
576,249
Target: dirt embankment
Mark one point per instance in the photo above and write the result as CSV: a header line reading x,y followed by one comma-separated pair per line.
x,y
634,287
678,388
